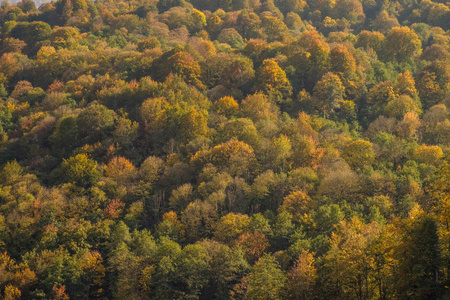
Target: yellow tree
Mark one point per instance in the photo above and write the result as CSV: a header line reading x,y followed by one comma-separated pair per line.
x,y
439,192
230,227
273,78
16,279
359,154
193,124
298,204
281,152
348,264
120,168
302,277
383,249
235,157
401,44
429,154
342,61
406,85
226,106
258,108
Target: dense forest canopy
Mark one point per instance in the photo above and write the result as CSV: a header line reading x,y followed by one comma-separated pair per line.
x,y
238,149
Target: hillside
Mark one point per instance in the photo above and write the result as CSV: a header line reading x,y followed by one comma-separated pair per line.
x,y
239,149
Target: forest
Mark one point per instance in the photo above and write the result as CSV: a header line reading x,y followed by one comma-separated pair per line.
x,y
225,149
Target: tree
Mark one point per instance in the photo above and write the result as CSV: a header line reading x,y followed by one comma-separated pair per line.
x,y
120,169
27,6
359,154
31,33
342,61
12,64
234,157
408,127
12,45
165,5
227,266
197,220
128,268
91,264
401,44
385,21
349,10
231,37
258,108
419,256
153,117
179,62
298,204
432,84
400,106
266,280
295,6
193,124
348,264
169,227
16,278
248,24
191,273
226,106
94,122
272,78
342,183
302,277
328,92
429,154
64,138
273,27
378,97
64,36
181,197
125,132
283,229
232,71
406,85
370,39
253,244
81,170
151,169
294,22
230,227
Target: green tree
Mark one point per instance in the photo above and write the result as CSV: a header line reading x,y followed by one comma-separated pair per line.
x,y
81,170
95,122
328,92
266,280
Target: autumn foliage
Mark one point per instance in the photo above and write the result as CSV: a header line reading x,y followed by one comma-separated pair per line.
x,y
239,149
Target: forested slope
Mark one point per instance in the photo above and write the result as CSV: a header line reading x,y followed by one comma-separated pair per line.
x,y
233,149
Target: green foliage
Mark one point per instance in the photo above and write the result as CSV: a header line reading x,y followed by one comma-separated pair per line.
x,y
239,149
266,280
81,170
